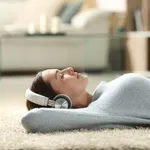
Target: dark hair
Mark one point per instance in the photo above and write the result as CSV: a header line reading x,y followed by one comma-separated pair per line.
x,y
40,87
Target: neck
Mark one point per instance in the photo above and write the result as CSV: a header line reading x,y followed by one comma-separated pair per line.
x,y
83,100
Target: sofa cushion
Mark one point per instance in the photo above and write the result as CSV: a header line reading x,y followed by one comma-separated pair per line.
x,y
93,19
70,10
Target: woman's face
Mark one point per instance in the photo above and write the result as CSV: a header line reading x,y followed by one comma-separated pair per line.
x,y
66,81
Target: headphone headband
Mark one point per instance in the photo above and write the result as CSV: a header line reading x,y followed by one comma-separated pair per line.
x,y
59,101
38,99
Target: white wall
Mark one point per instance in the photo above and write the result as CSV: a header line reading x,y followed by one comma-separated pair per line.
x,y
9,10
112,5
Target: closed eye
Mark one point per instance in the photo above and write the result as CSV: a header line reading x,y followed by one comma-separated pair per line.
x,y
62,76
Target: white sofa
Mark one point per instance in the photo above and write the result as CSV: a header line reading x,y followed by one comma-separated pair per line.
x,y
79,48
35,53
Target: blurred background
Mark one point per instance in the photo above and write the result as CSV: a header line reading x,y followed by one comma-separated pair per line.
x,y
102,38
89,35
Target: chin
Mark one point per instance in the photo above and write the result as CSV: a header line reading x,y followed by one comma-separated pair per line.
x,y
85,75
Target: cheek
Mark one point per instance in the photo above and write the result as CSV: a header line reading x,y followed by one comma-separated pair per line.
x,y
76,84
69,84
56,87
72,84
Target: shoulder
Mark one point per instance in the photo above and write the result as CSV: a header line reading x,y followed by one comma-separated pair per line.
x,y
132,76
132,79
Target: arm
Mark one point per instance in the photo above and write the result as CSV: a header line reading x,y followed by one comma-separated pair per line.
x,y
47,120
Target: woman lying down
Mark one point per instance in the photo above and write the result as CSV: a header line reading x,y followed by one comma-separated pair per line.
x,y
123,102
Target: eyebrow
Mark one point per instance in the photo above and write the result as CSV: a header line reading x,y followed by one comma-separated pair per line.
x,y
56,73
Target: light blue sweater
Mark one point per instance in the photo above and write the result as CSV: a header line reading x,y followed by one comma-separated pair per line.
x,y
123,102
128,95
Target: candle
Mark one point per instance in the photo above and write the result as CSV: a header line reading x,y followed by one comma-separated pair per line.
x,y
43,27
32,28
55,25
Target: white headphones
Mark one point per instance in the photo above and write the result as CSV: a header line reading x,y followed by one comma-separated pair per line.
x,y
59,101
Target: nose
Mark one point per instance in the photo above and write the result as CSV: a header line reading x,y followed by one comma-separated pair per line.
x,y
69,70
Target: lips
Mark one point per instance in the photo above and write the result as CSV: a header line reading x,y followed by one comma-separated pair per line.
x,y
77,74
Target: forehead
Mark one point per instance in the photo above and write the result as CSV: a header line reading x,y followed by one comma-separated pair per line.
x,y
49,74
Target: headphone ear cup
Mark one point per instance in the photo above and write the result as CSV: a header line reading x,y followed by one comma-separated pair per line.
x,y
62,101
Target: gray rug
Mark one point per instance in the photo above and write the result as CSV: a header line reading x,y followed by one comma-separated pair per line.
x,y
13,136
